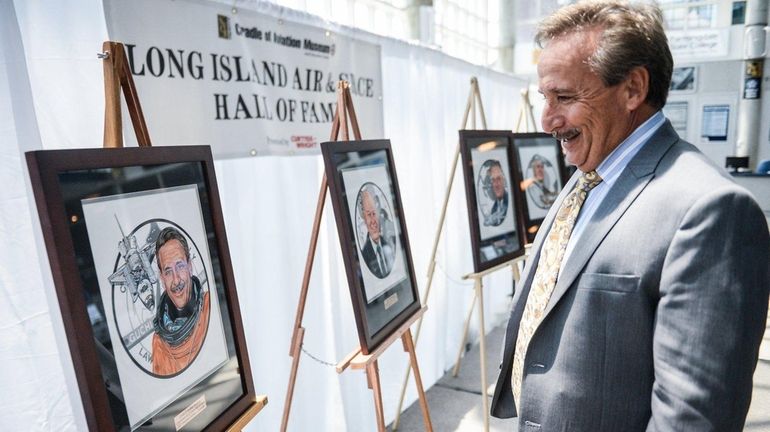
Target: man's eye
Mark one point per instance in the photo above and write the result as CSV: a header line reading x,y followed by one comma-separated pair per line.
x,y
563,98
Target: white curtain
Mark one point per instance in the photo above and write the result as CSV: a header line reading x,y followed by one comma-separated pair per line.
x,y
51,97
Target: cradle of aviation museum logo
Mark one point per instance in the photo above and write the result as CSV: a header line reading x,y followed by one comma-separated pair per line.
x,y
223,26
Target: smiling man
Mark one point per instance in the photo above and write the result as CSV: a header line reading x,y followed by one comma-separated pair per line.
x,y
377,250
499,195
182,316
644,299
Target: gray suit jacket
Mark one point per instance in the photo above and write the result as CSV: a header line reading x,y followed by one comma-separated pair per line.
x,y
656,319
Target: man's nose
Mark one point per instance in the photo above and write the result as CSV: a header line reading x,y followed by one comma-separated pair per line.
x,y
177,278
552,119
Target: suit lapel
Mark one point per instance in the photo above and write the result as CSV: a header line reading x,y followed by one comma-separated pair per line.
x,y
632,181
525,281
545,226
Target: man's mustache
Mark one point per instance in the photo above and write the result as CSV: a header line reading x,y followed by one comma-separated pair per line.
x,y
176,289
566,135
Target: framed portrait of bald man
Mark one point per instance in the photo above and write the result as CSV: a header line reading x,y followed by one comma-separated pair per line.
x,y
375,245
493,200
142,273
543,174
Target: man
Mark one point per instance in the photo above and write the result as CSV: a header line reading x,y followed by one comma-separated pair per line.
x,y
182,317
647,313
541,192
377,251
499,195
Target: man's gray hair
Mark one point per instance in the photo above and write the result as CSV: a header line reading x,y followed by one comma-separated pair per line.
x,y
632,35
368,189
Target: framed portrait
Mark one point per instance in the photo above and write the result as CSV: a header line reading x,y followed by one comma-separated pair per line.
x,y
373,237
542,173
494,201
684,79
140,262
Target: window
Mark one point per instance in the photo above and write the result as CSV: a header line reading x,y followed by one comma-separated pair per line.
x,y
386,18
688,15
468,29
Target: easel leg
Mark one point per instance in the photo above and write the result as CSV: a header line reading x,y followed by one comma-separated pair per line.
x,y
483,354
373,376
474,100
456,369
292,377
431,272
409,347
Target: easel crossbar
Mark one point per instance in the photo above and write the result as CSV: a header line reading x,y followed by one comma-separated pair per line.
x,y
357,360
490,270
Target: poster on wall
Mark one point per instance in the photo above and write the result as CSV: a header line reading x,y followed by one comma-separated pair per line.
x,y
684,79
676,112
139,255
493,197
699,43
373,236
246,83
714,122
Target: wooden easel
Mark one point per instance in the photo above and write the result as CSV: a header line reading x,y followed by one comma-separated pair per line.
x,y
250,413
355,360
526,113
117,76
474,103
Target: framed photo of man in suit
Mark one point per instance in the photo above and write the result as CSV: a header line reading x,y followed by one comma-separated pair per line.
x,y
373,236
542,172
142,271
493,200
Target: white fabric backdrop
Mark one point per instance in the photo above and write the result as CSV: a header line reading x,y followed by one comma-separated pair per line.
x,y
51,97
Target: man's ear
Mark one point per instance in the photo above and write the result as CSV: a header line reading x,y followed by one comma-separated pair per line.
x,y
636,87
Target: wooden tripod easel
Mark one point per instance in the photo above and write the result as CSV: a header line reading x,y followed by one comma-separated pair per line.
x,y
526,113
354,360
117,76
474,103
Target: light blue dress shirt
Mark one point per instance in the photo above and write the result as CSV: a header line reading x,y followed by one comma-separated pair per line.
x,y
609,170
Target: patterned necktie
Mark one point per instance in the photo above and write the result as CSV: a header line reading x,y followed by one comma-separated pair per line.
x,y
547,272
381,260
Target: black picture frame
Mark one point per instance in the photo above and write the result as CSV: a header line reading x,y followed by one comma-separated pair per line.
x,y
538,194
494,214
373,237
215,377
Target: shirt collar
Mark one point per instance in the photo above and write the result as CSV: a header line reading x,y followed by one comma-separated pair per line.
x,y
611,167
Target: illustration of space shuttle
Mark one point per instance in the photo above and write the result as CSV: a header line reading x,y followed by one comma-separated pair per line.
x,y
136,274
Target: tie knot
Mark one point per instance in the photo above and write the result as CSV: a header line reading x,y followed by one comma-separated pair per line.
x,y
588,181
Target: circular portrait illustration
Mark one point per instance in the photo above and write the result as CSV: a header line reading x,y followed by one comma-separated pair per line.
x,y
541,182
160,296
375,230
492,192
